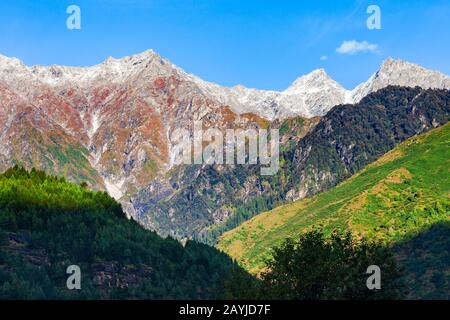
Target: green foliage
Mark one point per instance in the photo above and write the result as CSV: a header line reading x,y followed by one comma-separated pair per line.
x,y
349,137
47,224
346,139
241,214
316,266
394,200
426,260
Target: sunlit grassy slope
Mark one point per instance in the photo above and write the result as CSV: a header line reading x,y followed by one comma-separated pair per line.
x,y
395,197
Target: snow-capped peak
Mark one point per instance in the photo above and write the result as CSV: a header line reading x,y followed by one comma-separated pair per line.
x,y
132,60
313,76
313,81
4,61
401,73
310,95
111,70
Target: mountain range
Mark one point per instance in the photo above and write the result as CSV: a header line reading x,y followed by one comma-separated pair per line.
x,y
110,125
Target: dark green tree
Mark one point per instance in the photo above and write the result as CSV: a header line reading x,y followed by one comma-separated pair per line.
x,y
319,267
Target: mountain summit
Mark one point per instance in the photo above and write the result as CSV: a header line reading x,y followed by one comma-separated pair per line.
x,y
111,124
401,73
309,96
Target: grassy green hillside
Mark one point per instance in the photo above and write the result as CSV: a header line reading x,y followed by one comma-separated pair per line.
x,y
47,224
392,200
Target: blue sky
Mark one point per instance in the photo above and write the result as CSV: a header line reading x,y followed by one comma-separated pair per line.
x,y
258,43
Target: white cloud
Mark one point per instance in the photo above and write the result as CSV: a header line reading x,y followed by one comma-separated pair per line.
x,y
353,47
323,58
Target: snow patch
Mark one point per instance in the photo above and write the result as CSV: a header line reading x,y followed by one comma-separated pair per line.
x,y
95,124
114,188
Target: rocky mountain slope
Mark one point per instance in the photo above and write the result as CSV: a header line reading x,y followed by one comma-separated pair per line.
x,y
208,200
112,124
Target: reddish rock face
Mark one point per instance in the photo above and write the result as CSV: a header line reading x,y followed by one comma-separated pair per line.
x,y
109,124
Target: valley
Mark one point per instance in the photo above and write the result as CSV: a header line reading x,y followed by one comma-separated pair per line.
x,y
212,159
372,161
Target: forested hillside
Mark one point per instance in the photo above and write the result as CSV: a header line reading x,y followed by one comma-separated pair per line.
x,y
344,141
394,200
47,224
